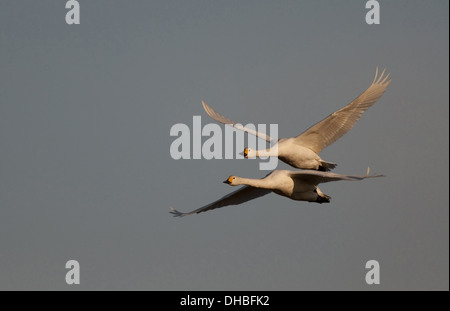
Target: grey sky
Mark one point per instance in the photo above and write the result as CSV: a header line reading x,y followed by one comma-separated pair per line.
x,y
85,169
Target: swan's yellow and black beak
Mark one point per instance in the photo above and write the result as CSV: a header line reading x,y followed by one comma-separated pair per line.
x,y
229,180
246,153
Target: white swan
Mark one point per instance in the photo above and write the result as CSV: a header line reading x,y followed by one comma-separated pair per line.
x,y
303,151
296,185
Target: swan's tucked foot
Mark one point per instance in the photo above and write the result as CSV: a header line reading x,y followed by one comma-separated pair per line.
x,y
326,166
323,199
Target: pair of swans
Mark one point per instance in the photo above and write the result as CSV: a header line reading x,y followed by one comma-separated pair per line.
x,y
300,152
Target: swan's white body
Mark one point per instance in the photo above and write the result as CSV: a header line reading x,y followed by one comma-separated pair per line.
x,y
303,151
296,185
294,154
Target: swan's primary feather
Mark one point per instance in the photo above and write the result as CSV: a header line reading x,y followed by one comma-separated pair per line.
x,y
330,129
239,196
224,120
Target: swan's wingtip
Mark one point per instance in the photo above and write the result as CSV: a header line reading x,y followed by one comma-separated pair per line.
x,y
374,175
381,78
379,175
175,213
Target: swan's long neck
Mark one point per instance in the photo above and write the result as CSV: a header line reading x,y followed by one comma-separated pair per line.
x,y
271,152
257,183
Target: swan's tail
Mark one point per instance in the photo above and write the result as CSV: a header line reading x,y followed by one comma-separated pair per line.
x,y
326,166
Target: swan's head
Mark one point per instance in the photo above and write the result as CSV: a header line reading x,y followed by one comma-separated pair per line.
x,y
231,181
249,153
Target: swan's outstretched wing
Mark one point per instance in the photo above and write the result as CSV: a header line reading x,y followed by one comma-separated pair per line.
x,y
340,122
318,177
221,119
242,195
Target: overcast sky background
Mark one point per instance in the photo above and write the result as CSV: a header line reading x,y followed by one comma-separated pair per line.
x,y
85,169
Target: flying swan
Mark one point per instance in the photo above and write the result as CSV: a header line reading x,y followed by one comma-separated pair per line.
x,y
303,151
296,185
